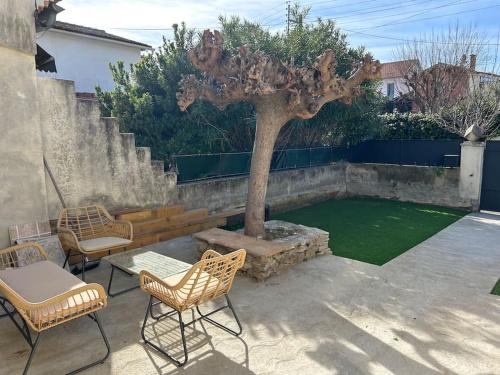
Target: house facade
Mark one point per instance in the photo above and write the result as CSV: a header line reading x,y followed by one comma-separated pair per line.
x,y
392,82
83,54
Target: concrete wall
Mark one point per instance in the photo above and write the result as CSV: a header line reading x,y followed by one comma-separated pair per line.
x,y
91,160
22,192
84,59
291,188
17,26
432,185
286,189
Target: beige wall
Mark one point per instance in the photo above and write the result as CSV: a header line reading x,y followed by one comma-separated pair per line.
x,y
291,188
93,162
22,192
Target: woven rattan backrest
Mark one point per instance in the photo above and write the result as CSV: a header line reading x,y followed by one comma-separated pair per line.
x,y
86,222
21,255
212,277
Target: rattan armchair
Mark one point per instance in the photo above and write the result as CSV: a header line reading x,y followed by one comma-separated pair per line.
x,y
210,278
42,295
91,231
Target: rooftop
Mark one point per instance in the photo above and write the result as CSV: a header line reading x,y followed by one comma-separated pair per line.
x,y
396,69
84,30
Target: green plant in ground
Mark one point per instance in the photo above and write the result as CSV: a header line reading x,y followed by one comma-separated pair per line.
x,y
144,97
373,230
409,125
496,288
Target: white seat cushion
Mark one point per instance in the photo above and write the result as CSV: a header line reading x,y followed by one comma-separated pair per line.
x,y
188,290
103,243
42,281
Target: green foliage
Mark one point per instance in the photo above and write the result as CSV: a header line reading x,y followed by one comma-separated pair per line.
x,y
409,125
144,98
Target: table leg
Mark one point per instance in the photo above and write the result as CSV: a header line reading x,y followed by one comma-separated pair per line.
x,y
111,281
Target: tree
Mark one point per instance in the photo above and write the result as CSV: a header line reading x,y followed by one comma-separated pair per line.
x,y
446,84
279,92
144,101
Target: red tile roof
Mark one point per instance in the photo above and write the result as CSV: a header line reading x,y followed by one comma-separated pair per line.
x,y
396,68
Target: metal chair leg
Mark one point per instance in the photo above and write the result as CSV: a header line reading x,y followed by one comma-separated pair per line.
x,y
217,324
83,266
108,348
147,342
67,259
32,354
161,316
34,345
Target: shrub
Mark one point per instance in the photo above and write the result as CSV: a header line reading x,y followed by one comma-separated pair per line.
x,y
409,125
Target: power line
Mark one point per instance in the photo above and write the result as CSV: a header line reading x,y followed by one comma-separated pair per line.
x,y
415,40
376,9
266,18
453,3
434,17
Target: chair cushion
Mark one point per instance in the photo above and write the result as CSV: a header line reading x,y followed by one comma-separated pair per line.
x,y
103,243
41,281
181,295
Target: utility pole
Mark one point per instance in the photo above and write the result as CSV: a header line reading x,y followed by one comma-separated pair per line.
x,y
288,11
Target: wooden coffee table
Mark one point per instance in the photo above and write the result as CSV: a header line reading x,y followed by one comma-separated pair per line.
x,y
132,262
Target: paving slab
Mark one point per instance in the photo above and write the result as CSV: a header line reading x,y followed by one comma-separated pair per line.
x,y
428,311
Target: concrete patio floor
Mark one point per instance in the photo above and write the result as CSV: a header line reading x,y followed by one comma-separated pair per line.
x,y
428,311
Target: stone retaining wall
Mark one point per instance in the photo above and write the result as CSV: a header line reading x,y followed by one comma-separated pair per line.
x,y
302,243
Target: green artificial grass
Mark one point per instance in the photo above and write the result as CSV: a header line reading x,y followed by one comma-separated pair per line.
x,y
373,230
496,289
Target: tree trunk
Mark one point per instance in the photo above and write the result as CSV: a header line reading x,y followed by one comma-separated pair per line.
x,y
267,130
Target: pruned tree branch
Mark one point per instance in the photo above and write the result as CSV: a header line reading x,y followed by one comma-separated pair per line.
x,y
249,76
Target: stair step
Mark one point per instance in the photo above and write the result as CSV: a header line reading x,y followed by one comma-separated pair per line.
x,y
135,215
174,221
142,215
166,234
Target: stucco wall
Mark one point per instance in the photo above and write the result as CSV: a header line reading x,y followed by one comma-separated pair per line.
x,y
285,189
290,188
91,160
17,25
22,184
85,60
433,185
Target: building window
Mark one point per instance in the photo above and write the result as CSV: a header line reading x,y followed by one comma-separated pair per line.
x,y
390,90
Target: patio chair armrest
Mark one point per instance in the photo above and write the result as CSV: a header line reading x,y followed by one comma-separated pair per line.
x,y
61,308
148,278
123,229
68,238
8,256
209,254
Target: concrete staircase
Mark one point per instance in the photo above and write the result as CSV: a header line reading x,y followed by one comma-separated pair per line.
x,y
164,223
92,161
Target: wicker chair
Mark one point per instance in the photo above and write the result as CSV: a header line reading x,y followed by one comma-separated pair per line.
x,y
42,295
91,231
210,278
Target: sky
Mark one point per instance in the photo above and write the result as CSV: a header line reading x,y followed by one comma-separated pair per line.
x,y
378,25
